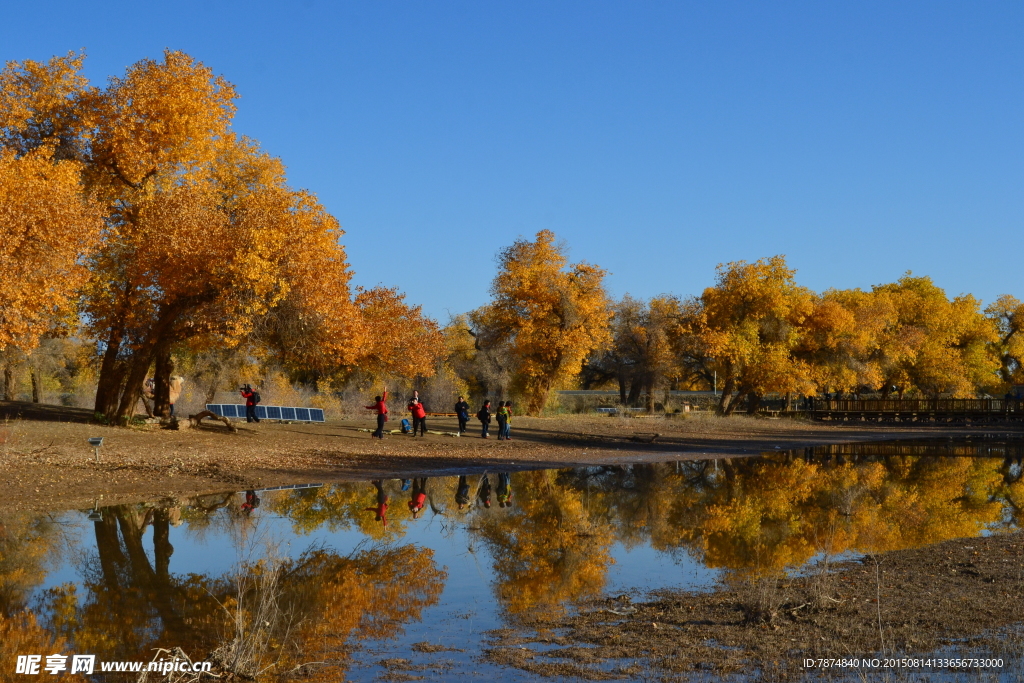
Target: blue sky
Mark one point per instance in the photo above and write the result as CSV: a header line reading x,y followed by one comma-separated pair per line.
x,y
861,140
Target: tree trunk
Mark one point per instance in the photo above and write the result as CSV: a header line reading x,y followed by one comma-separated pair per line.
x,y
8,382
725,402
108,389
753,402
162,379
132,390
622,388
35,383
635,388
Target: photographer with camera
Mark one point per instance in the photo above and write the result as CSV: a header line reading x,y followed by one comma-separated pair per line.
x,y
251,397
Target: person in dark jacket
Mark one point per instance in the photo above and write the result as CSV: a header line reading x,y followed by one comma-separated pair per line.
x,y
484,493
419,417
380,407
484,415
462,492
250,403
462,412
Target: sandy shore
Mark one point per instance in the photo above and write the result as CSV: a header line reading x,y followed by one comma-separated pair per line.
x,y
47,464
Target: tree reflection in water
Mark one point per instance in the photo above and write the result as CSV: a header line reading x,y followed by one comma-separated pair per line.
x,y
751,517
128,604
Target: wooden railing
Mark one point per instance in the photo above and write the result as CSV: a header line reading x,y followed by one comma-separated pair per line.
x,y
934,407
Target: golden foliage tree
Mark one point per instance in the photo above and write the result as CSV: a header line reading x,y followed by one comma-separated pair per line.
x,y
202,243
747,325
550,314
640,357
1007,315
935,345
47,224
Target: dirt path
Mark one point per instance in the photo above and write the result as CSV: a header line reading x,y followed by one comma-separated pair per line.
x,y
46,463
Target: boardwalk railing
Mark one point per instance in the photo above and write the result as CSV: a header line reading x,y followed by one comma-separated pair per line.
x,y
918,409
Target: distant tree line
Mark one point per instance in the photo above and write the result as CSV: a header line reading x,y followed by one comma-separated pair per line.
x,y
136,223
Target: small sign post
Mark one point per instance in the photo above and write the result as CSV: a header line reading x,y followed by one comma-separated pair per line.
x,y
96,442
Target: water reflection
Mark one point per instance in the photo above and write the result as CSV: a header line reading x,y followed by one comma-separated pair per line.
x,y
550,540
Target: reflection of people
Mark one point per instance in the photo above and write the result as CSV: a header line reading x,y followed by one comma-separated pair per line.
x,y
381,408
252,501
419,496
462,412
419,416
381,508
484,494
462,492
250,403
504,490
484,415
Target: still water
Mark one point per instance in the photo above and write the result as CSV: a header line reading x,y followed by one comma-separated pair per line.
x,y
407,577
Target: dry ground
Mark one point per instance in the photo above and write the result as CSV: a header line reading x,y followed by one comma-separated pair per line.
x,y
46,464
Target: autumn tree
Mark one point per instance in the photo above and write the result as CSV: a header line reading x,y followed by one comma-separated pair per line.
x,y
841,338
640,356
1007,315
203,243
747,326
550,314
46,227
935,345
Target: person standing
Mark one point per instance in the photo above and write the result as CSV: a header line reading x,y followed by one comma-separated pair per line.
x,y
502,416
484,415
419,417
508,420
381,408
250,403
462,412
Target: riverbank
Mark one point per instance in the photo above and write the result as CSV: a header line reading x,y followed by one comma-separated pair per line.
x,y
963,598
47,464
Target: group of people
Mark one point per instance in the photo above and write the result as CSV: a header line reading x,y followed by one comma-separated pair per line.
x,y
417,488
418,412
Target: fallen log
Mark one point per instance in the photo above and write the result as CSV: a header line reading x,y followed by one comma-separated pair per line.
x,y
194,420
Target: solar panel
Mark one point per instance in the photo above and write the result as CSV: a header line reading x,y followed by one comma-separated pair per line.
x,y
268,412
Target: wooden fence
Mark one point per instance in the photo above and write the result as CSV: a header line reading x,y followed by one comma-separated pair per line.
x,y
910,409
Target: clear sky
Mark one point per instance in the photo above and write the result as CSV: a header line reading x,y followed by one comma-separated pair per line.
x,y
860,139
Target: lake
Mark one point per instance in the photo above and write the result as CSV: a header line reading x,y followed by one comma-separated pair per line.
x,y
411,578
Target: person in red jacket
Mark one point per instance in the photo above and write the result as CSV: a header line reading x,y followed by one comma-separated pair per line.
x,y
381,409
381,509
250,403
419,416
418,500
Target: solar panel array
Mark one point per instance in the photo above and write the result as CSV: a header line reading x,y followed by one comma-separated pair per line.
x,y
292,414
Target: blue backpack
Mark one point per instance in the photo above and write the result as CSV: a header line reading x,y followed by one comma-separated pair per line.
x,y
406,427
